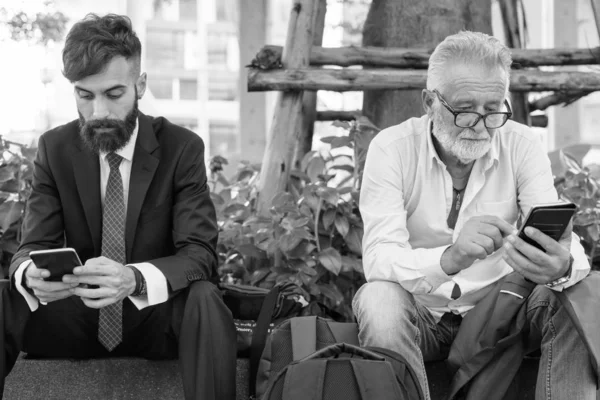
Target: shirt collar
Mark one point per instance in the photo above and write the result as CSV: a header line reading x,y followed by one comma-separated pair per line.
x,y
126,151
488,159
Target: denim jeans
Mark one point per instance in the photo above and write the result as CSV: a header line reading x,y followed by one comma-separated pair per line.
x,y
388,316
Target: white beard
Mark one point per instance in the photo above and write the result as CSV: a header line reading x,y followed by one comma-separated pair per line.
x,y
465,150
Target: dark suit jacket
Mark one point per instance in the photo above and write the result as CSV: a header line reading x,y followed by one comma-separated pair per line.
x,y
490,345
171,219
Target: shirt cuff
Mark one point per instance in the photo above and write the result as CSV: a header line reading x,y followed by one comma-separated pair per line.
x,y
156,284
31,300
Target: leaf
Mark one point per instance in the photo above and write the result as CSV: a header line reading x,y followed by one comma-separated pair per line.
x,y
341,124
306,159
234,210
289,241
7,172
328,139
217,200
328,217
302,233
283,201
251,250
342,225
332,292
316,167
328,194
303,250
300,175
259,275
350,263
341,141
354,240
300,222
331,259
344,167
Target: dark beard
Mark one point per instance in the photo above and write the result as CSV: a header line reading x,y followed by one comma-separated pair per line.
x,y
110,141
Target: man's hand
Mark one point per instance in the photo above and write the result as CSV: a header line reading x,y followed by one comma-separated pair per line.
x,y
479,237
114,281
45,291
533,263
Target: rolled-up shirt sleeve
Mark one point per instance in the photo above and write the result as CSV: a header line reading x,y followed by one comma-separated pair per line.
x,y
387,253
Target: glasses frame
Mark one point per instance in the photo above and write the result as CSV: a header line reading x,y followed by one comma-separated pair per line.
x,y
480,116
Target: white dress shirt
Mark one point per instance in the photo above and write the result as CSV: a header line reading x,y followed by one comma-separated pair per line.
x,y
156,282
406,196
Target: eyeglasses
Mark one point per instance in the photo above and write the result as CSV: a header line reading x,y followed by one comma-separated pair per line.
x,y
468,119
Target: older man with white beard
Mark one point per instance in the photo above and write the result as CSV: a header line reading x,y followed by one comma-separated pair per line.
x,y
440,199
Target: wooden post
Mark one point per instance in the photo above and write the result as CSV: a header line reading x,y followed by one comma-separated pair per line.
x,y
253,106
565,121
309,101
287,121
514,39
596,11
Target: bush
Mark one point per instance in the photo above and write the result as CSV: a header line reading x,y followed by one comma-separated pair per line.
x,y
313,233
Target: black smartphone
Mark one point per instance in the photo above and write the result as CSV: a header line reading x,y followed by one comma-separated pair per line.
x,y
58,261
552,219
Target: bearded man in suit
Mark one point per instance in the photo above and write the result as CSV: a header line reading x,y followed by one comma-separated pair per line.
x,y
129,193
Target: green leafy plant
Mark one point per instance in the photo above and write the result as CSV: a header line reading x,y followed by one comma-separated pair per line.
x,y
313,233
580,185
16,172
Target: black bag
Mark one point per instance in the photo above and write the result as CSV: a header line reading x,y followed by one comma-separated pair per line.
x,y
257,310
292,340
347,372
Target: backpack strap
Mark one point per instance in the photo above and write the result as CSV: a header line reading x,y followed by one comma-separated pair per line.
x,y
375,379
259,335
304,380
304,336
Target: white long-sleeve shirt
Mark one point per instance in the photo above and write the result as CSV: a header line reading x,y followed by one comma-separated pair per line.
x,y
156,282
405,200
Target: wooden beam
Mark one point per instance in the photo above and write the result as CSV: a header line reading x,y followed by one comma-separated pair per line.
x,y
340,115
343,80
287,117
419,58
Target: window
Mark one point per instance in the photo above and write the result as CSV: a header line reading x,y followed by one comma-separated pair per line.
x,y
223,138
222,85
161,88
188,89
187,10
165,48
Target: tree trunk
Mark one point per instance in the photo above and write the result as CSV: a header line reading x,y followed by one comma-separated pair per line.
x,y
415,23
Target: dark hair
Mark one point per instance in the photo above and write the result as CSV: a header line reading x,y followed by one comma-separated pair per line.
x,y
93,42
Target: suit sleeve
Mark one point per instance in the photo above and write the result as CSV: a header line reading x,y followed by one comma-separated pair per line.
x,y
43,226
195,230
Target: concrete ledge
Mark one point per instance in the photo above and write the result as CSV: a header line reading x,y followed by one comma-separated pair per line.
x,y
139,379
103,379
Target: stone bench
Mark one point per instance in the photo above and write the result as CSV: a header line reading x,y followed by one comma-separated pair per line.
x,y
135,378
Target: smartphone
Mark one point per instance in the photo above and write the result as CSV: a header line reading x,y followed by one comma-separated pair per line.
x,y
552,219
58,261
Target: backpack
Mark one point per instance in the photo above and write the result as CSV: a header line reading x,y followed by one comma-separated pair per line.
x,y
346,372
292,340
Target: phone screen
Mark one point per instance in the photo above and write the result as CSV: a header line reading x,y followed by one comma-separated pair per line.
x,y
551,220
58,261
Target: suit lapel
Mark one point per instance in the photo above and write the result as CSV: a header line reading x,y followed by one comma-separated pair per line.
x,y
86,167
142,172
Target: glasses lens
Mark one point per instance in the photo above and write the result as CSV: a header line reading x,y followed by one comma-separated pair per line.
x,y
466,119
495,120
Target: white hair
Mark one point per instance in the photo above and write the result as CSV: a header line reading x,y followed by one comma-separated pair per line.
x,y
466,47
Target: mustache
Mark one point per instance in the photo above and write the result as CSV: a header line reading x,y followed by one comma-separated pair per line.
x,y
106,123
